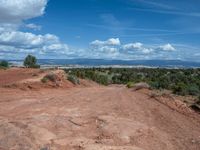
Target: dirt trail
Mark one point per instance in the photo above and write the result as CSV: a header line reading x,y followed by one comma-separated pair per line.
x,y
92,118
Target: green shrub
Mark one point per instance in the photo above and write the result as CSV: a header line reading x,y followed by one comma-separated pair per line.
x,y
180,89
154,85
4,64
130,84
102,79
193,90
44,80
31,62
49,77
73,79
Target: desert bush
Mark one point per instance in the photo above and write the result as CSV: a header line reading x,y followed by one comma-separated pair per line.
x,y
102,79
73,79
154,85
4,64
193,90
180,89
141,85
44,80
31,62
50,77
115,79
130,84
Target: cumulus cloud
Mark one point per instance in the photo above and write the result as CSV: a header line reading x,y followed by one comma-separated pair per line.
x,y
109,42
136,45
108,49
21,40
105,49
167,47
14,42
113,48
18,10
132,47
26,39
5,27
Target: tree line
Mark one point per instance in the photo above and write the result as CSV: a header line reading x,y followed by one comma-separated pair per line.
x,y
180,81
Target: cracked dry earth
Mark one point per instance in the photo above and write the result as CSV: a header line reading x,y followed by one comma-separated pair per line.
x,y
92,118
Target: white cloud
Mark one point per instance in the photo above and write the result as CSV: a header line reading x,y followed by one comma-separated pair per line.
x,y
5,27
18,10
133,47
14,42
113,41
167,47
109,42
136,45
33,26
29,42
26,40
108,49
107,52
105,49
112,48
147,50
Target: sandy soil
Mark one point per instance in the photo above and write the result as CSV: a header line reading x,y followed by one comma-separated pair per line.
x,y
93,118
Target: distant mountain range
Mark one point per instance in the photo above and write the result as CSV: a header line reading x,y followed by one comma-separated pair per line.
x,y
102,62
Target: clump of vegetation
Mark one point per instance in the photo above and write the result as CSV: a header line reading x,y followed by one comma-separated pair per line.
x,y
31,62
4,64
102,79
96,75
44,80
73,79
180,89
141,85
130,84
49,77
193,89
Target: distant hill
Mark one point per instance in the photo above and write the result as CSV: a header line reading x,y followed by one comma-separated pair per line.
x,y
100,62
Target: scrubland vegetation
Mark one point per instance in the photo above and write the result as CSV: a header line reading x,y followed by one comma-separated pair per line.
x,y
73,79
4,64
180,81
49,77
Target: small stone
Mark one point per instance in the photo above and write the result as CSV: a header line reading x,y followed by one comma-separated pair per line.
x,y
193,141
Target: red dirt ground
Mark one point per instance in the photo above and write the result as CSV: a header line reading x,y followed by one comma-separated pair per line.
x,y
14,75
92,118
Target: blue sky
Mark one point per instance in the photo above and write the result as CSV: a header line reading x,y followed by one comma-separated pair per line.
x,y
108,29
